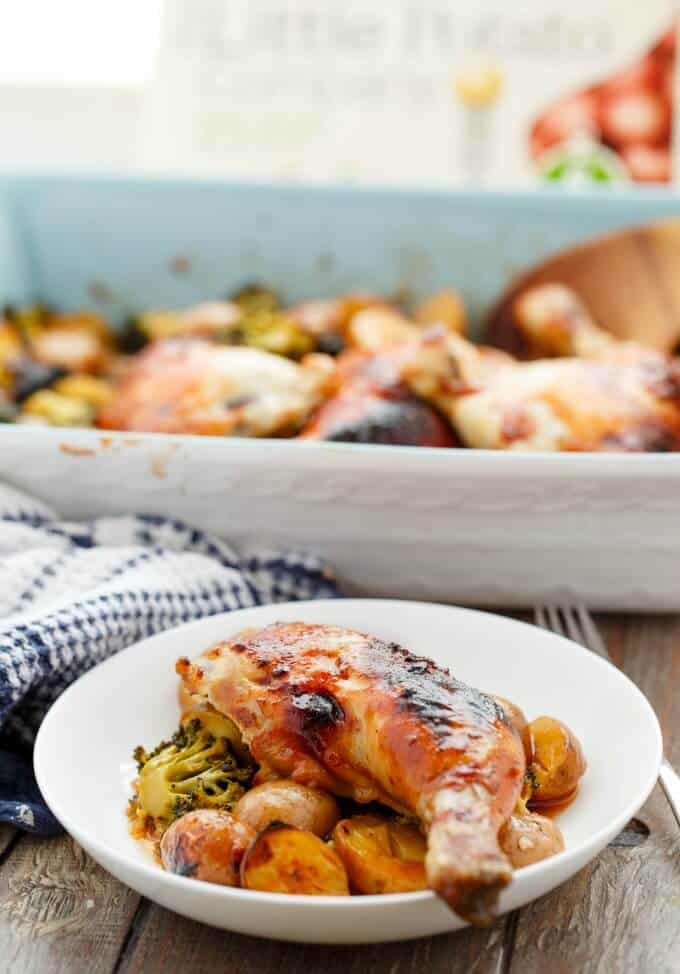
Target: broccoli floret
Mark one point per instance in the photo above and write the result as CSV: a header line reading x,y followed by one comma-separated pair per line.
x,y
265,325
203,765
255,297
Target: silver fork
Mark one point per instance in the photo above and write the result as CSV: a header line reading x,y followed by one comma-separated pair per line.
x,y
576,622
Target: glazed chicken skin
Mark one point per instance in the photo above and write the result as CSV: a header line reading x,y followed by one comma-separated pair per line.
x,y
195,386
604,395
645,402
553,322
350,714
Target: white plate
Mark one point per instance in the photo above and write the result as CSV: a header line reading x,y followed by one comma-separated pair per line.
x,y
83,758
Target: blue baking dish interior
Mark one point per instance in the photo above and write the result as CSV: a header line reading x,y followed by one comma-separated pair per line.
x,y
119,243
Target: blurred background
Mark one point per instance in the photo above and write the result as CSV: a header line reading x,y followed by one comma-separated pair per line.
x,y
388,91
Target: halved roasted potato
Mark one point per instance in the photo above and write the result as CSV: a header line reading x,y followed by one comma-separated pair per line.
x,y
380,855
289,803
283,859
557,761
206,844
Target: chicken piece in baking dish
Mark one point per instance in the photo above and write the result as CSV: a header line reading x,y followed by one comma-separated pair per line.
x,y
554,322
621,397
194,386
350,714
373,405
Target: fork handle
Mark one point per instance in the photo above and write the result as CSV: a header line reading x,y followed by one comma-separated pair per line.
x,y
670,782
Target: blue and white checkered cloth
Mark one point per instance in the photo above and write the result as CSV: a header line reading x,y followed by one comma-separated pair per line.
x,y
74,593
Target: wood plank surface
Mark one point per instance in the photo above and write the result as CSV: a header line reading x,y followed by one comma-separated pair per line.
x,y
622,912
164,937
59,912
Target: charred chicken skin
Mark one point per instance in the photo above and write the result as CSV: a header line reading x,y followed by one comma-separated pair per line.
x,y
334,709
373,405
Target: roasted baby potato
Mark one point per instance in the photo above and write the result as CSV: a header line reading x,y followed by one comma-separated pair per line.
x,y
77,342
11,350
557,761
375,329
206,844
290,804
445,307
55,409
90,389
381,856
528,837
516,717
210,319
283,859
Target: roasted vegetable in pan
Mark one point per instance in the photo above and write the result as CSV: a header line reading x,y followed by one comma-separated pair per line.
x,y
265,325
90,389
223,368
55,409
210,319
442,308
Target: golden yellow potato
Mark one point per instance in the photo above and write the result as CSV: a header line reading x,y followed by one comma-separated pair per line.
x,y
407,841
57,409
374,329
282,859
206,844
529,837
445,307
77,343
289,803
94,391
381,856
557,761
516,717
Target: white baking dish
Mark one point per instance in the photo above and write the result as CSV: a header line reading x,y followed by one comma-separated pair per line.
x,y
453,525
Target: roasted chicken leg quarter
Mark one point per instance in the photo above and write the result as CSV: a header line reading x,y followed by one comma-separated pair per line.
x,y
335,709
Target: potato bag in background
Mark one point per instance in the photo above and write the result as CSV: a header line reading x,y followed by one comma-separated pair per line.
x,y
476,91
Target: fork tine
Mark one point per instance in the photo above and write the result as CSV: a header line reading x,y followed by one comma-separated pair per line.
x,y
593,638
572,624
554,620
539,617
